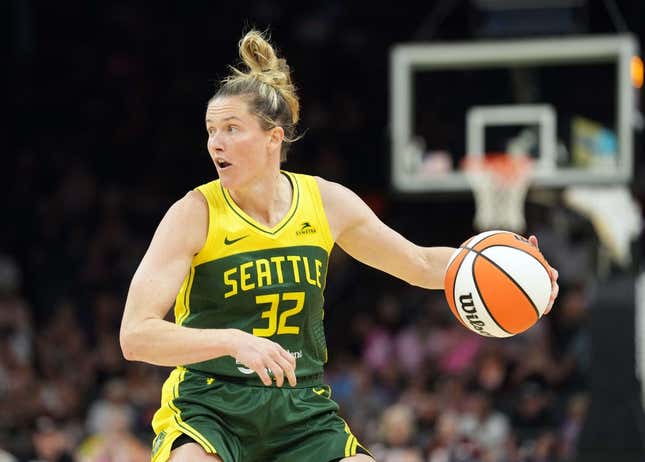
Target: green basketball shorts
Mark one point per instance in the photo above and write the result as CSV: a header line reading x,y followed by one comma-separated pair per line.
x,y
243,423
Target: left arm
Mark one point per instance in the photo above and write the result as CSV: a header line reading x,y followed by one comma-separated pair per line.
x,y
360,233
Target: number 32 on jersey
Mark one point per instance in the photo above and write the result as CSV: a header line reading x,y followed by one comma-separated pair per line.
x,y
281,308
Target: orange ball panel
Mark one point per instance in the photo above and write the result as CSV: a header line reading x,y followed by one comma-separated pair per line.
x,y
514,310
449,282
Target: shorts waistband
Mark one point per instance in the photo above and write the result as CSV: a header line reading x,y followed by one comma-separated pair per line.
x,y
302,382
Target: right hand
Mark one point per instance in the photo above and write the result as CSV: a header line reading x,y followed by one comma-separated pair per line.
x,y
260,354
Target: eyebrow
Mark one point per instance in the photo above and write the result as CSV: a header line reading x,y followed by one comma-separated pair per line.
x,y
225,119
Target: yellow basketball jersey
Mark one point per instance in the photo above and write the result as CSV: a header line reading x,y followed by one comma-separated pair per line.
x,y
265,281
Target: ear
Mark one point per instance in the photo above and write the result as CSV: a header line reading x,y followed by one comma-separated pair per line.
x,y
276,135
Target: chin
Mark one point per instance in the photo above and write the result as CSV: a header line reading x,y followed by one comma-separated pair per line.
x,y
228,179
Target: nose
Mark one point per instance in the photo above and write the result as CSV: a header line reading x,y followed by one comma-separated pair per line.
x,y
215,143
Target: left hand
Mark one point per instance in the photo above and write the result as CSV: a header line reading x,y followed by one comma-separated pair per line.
x,y
555,288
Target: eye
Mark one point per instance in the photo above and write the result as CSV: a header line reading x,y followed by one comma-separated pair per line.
x,y
231,129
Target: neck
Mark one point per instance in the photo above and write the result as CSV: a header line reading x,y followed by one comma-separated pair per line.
x,y
266,200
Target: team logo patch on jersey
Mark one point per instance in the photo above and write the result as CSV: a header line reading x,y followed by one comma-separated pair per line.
x,y
305,228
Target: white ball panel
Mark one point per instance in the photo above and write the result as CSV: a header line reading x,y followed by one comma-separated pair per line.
x,y
481,236
469,304
525,270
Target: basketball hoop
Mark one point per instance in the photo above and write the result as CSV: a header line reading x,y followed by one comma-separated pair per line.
x,y
499,183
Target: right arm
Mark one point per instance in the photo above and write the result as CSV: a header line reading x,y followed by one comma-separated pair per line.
x,y
146,336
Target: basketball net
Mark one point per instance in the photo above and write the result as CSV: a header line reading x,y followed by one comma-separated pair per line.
x,y
499,183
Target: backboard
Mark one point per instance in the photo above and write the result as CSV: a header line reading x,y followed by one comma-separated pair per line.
x,y
569,102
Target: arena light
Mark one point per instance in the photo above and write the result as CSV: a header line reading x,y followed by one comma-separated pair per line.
x,y
637,72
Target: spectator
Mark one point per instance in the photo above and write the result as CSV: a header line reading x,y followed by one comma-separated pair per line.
x,y
51,443
532,414
487,427
449,445
113,441
6,457
572,426
397,436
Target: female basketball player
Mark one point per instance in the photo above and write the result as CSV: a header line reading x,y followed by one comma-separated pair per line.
x,y
245,260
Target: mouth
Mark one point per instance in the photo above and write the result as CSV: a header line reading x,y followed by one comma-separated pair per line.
x,y
222,164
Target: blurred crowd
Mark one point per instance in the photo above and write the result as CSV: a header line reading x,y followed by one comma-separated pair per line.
x,y
422,388
411,381
109,132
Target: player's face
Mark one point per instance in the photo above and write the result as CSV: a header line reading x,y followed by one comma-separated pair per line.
x,y
237,143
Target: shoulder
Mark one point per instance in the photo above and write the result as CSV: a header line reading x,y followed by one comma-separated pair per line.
x,y
343,207
187,220
331,191
193,204
337,198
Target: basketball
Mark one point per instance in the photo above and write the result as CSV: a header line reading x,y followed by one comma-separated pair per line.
x,y
497,284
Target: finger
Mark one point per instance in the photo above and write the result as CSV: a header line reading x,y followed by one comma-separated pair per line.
x,y
554,274
289,357
278,373
288,369
556,290
533,241
291,376
263,374
554,294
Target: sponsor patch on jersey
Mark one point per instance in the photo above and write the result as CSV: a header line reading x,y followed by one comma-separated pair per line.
x,y
305,228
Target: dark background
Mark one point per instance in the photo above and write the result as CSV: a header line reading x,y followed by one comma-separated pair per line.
x,y
104,131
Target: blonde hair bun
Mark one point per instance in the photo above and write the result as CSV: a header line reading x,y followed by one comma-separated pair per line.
x,y
258,55
267,84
